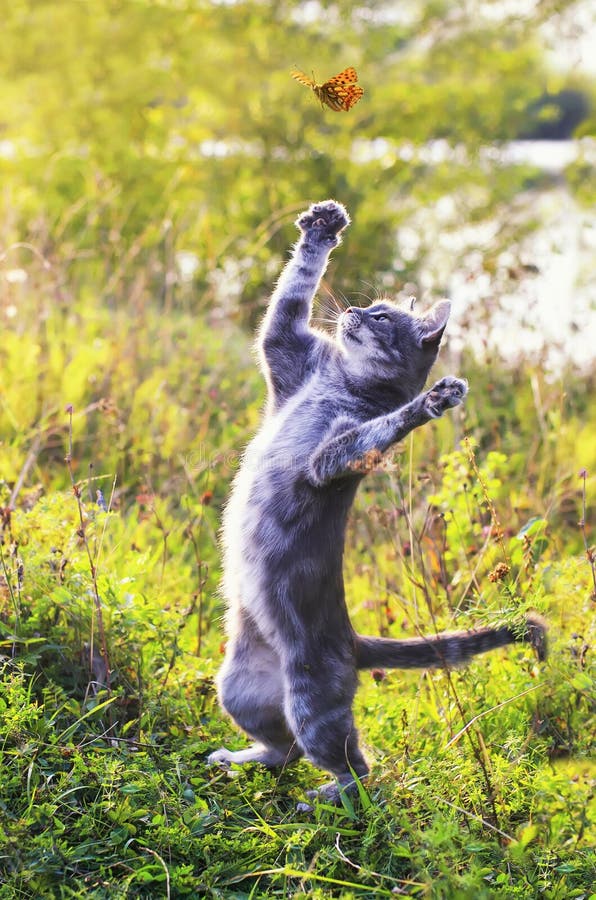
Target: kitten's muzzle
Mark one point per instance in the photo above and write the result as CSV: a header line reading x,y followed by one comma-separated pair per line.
x,y
354,313
350,322
351,318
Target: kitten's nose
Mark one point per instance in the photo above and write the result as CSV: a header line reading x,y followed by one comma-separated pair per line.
x,y
353,310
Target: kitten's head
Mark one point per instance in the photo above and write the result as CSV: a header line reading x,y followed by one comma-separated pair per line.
x,y
387,344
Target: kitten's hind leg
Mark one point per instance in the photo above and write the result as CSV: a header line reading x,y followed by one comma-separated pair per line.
x,y
251,691
319,709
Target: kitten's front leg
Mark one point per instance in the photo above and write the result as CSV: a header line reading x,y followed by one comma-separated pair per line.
x,y
287,343
345,453
290,306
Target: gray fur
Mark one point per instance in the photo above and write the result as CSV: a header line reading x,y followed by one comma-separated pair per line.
x,y
290,671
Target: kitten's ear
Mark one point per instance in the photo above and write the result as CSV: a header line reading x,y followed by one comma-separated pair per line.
x,y
434,322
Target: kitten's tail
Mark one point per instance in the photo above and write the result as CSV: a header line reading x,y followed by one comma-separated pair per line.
x,y
447,649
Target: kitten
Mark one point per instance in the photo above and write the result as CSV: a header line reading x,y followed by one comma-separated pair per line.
x,y
290,670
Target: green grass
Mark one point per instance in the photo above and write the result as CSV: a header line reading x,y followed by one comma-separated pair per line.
x,y
482,778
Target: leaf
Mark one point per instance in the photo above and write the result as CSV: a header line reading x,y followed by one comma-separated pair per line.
x,y
532,526
527,834
582,682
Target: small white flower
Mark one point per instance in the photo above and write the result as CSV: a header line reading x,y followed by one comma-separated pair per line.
x,y
15,276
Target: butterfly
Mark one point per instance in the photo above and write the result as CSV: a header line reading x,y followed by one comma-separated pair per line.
x,y
339,93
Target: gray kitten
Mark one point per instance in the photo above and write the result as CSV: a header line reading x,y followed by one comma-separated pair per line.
x,y
290,671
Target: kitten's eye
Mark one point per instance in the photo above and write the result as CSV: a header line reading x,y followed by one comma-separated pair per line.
x,y
381,317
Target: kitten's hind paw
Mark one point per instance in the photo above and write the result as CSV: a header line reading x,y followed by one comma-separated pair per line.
x,y
331,793
447,392
221,757
272,757
323,222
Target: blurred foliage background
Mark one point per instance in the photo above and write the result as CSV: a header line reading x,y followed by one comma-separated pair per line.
x,y
133,132
153,157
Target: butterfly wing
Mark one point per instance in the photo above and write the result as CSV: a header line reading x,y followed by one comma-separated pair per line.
x,y
348,76
352,95
330,96
302,78
341,92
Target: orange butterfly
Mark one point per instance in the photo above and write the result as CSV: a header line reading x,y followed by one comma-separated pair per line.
x,y
340,92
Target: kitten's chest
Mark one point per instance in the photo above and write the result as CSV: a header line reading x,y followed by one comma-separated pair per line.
x,y
255,526
287,436
275,458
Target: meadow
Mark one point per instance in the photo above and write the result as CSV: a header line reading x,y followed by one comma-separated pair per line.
x,y
133,270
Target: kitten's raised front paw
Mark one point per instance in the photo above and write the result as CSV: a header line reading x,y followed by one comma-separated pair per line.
x,y
324,221
447,392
